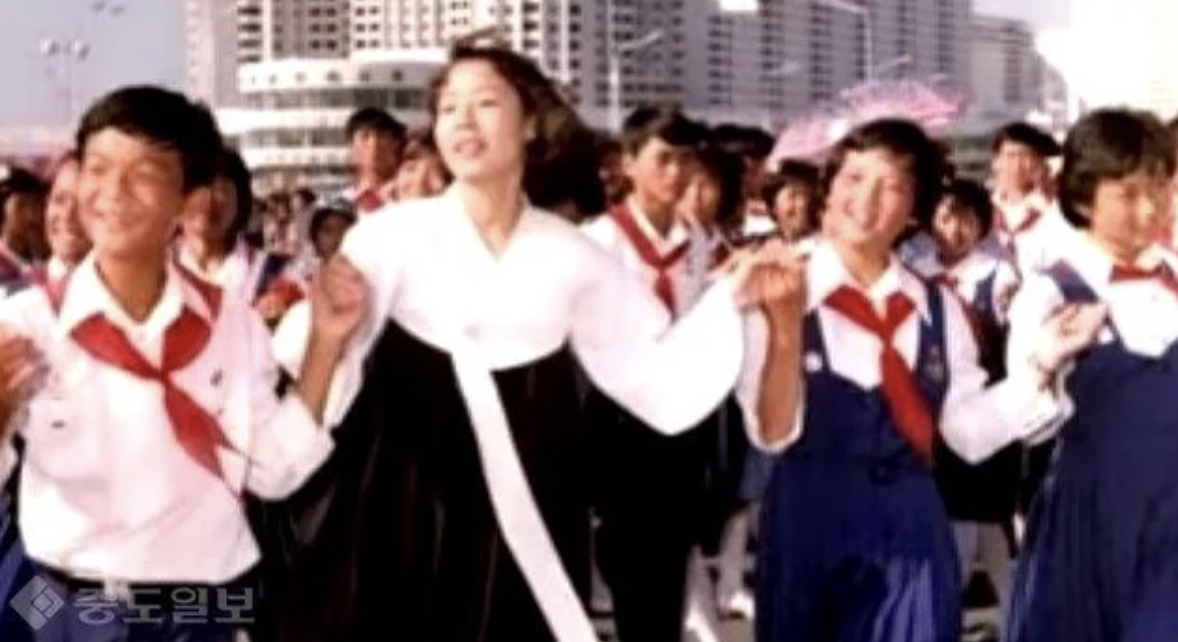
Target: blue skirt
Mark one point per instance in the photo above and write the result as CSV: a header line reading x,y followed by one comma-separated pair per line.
x,y
856,551
1101,557
16,571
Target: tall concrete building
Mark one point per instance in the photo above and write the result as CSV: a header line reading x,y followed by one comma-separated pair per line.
x,y
1008,72
1123,53
212,51
222,35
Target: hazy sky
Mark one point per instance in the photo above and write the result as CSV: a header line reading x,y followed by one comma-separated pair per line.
x,y
145,44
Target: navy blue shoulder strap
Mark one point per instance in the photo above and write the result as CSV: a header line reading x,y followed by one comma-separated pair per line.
x,y
1073,286
272,267
932,360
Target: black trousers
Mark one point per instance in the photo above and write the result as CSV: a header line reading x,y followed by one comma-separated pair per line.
x,y
651,489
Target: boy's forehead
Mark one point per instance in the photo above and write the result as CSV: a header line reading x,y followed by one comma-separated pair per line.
x,y
116,143
1011,146
659,144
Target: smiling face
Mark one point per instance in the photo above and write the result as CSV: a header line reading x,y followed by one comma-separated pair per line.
x,y
63,228
871,200
1129,214
480,126
131,195
956,229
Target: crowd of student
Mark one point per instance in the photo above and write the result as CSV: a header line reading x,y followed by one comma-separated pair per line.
x,y
520,372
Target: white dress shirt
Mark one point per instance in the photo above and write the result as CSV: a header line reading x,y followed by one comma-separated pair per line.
x,y
237,275
106,491
429,270
968,275
975,420
1036,248
688,275
1143,312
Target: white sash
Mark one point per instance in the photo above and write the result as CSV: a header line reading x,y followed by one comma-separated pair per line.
x,y
511,497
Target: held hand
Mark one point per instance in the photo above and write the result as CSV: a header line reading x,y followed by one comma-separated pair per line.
x,y
339,301
783,292
1071,329
19,366
1006,296
272,307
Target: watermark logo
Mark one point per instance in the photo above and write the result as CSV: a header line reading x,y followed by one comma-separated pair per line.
x,y
37,603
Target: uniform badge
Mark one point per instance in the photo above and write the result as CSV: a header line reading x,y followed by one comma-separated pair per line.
x,y
812,362
934,365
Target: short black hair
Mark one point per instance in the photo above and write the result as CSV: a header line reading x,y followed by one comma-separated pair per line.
x,y
1110,144
904,139
726,170
1027,135
305,194
232,168
664,122
751,143
971,196
795,173
20,183
321,213
374,119
164,118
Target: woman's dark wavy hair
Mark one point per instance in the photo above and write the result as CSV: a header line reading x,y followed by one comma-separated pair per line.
x,y
906,140
558,129
1110,144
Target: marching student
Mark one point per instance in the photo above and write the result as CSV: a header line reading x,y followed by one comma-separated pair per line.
x,y
421,173
212,244
1101,556
792,195
1028,225
377,141
654,482
22,228
855,541
981,498
456,504
68,241
145,398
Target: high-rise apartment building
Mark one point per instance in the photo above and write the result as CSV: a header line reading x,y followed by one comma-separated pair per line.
x,y
1008,73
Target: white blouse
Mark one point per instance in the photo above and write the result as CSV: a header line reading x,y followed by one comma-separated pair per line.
x,y
975,420
429,271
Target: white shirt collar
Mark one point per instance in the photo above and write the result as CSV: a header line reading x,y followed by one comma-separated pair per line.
x,y
86,295
976,264
56,269
1095,264
676,236
826,273
235,265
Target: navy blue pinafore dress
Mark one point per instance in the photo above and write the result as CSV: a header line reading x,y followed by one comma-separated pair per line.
x,y
1101,556
857,546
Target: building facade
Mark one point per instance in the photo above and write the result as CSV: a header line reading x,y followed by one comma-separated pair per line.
x,y
1008,72
290,128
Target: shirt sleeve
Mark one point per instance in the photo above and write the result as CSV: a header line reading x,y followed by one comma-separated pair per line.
x,y
288,445
367,246
977,421
19,313
671,376
748,387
